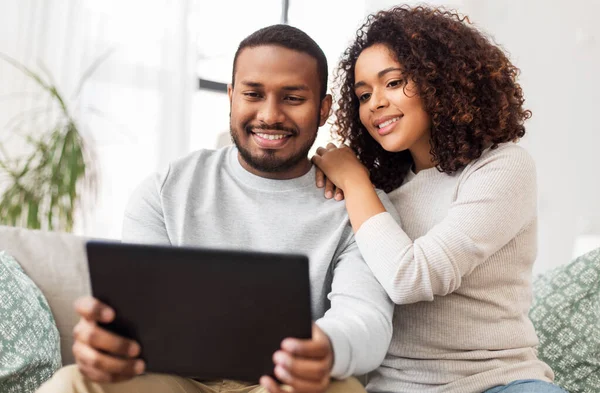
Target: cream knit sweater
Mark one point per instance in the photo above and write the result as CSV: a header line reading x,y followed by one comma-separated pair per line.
x,y
459,267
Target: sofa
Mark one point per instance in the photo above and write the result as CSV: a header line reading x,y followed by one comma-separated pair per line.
x,y
56,263
565,312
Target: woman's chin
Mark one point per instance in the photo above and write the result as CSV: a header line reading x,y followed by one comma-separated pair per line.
x,y
393,147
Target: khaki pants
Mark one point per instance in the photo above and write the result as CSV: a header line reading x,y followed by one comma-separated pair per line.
x,y
70,380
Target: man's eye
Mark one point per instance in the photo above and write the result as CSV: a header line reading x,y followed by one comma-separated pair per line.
x,y
294,99
364,97
252,94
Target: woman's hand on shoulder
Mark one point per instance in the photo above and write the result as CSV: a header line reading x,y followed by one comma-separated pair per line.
x,y
331,191
339,167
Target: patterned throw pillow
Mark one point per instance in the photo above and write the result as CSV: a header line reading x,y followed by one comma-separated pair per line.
x,y
29,340
566,315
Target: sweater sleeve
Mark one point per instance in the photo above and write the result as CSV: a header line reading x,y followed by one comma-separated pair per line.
x,y
496,199
359,321
144,220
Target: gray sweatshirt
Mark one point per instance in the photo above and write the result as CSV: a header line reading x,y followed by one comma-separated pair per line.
x,y
208,199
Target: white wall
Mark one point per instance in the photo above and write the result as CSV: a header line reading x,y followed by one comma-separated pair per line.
x,y
557,48
315,17
143,90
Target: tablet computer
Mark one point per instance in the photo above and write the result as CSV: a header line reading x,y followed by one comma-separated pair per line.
x,y
203,313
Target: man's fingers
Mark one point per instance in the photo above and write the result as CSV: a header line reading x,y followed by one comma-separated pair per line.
x,y
94,310
301,385
306,348
91,334
116,367
93,374
331,146
100,376
270,384
315,348
339,194
314,370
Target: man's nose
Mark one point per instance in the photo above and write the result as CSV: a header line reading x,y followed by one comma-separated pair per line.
x,y
270,112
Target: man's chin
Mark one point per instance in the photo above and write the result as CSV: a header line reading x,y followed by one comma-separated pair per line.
x,y
271,161
269,164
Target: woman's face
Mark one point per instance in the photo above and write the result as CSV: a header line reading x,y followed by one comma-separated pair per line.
x,y
392,112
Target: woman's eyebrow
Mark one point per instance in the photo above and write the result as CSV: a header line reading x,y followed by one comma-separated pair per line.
x,y
380,74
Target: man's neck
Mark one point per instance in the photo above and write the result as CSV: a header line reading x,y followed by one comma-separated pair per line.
x,y
298,170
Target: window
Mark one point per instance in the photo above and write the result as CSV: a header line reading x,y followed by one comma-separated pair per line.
x,y
219,28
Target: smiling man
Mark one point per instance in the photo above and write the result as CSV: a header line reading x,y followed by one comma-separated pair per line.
x,y
274,120
260,195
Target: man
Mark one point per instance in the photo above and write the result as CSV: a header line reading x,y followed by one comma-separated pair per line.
x,y
260,195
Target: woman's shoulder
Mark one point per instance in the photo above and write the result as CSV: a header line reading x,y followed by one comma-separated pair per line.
x,y
508,166
506,155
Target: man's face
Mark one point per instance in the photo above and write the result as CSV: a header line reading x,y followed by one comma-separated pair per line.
x,y
276,110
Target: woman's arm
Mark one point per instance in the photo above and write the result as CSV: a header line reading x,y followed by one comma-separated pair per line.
x,y
496,200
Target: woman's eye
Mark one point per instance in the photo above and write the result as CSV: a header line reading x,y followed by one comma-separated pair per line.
x,y
364,97
396,83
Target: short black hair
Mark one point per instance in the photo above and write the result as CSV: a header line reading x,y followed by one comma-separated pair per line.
x,y
288,37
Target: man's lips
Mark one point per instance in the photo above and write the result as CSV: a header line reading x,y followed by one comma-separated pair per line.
x,y
270,139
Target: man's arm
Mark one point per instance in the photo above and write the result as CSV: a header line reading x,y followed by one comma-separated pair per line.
x,y
103,356
144,220
352,337
359,322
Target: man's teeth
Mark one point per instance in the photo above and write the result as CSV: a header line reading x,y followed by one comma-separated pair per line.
x,y
388,122
270,137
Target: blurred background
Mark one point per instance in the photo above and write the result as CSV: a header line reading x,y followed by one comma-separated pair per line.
x,y
154,76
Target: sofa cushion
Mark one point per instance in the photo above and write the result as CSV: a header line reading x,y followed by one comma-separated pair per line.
x,y
29,340
566,315
56,263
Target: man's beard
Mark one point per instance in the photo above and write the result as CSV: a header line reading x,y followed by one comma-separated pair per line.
x,y
268,162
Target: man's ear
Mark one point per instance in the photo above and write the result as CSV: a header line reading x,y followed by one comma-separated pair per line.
x,y
230,93
325,111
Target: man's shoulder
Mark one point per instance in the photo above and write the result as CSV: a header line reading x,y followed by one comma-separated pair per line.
x,y
199,161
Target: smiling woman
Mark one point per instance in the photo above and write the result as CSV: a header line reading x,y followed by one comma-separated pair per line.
x,y
432,112
381,84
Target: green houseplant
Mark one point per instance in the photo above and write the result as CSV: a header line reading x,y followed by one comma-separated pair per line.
x,y
54,177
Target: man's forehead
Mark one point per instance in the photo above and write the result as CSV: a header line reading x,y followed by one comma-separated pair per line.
x,y
275,65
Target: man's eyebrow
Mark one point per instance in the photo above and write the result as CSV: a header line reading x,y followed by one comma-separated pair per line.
x,y
252,84
257,85
296,88
379,75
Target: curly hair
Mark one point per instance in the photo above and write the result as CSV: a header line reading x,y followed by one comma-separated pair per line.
x,y
467,85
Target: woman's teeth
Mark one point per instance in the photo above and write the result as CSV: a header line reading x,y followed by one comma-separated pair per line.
x,y
388,122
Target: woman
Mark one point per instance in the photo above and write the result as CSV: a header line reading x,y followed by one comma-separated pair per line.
x,y
431,110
